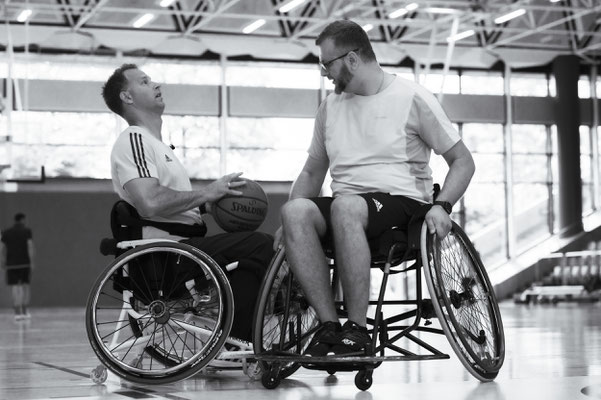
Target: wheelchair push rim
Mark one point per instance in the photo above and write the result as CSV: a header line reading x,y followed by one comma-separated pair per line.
x,y
282,306
464,302
167,323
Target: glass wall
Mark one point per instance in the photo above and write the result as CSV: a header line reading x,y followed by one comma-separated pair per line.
x,y
485,198
72,144
531,183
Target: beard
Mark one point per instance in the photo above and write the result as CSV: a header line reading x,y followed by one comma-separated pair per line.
x,y
343,80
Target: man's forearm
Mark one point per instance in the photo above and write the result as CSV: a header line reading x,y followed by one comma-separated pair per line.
x,y
165,201
457,180
305,186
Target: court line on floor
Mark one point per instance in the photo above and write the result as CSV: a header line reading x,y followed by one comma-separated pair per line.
x,y
62,369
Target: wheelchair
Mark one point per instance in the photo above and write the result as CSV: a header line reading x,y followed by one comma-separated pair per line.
x,y
161,311
462,301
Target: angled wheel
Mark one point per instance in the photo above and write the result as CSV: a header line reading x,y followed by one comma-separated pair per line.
x,y
167,301
464,301
284,321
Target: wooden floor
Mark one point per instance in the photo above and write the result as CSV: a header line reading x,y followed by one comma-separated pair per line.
x,y
553,353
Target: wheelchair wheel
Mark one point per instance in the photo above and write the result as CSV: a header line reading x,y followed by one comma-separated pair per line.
x,y
284,320
464,301
159,313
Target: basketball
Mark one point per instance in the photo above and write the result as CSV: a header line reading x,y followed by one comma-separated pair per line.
x,y
241,213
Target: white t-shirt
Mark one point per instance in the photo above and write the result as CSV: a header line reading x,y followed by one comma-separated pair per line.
x,y
138,154
382,143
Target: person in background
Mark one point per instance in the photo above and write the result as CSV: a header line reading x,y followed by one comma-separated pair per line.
x,y
17,257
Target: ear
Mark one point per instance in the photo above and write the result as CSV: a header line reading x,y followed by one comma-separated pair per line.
x,y
126,97
354,60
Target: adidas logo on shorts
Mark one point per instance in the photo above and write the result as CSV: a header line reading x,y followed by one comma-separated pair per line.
x,y
378,205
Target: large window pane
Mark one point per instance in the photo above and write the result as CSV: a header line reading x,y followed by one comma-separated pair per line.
x,y
532,84
268,148
584,87
277,75
528,139
529,168
531,212
433,82
476,82
485,220
483,138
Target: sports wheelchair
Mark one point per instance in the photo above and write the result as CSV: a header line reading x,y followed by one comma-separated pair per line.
x,y
161,311
462,301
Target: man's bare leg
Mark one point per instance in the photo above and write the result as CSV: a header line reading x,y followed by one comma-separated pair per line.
x,y
303,226
349,221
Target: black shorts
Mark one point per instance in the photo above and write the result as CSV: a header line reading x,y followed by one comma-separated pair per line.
x,y
384,211
17,276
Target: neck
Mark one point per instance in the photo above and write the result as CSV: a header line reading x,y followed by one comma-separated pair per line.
x,y
152,122
372,83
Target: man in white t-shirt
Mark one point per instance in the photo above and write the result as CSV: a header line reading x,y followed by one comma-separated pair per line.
x,y
375,135
147,174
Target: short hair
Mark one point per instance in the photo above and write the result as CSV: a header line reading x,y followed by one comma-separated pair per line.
x,y
19,217
348,35
111,90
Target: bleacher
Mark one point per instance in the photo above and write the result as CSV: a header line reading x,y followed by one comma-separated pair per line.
x,y
575,276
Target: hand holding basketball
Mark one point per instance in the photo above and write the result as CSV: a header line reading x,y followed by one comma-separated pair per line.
x,y
244,212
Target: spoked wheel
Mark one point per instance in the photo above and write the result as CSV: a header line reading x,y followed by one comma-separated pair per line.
x,y
284,321
159,313
464,301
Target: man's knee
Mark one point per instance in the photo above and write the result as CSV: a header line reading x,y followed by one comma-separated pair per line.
x,y
298,210
349,209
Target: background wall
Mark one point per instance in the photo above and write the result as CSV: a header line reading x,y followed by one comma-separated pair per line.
x,y
68,224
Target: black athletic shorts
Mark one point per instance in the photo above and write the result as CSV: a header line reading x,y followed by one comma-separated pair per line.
x,y
384,212
17,275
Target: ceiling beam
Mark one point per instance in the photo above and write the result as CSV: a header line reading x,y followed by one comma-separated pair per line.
x,y
86,17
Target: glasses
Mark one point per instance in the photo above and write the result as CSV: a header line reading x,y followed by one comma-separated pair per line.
x,y
326,65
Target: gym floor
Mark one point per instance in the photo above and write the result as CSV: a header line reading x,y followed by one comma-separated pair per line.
x,y
553,353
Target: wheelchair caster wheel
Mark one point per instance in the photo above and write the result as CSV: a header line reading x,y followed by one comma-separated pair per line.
x,y
99,375
331,371
270,380
363,380
253,371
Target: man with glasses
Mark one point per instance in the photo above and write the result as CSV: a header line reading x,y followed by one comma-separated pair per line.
x,y
375,135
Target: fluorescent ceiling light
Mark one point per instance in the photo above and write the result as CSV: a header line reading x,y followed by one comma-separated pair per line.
x,y
441,10
143,20
367,27
412,6
554,1
398,13
510,16
24,15
290,5
253,26
166,3
461,35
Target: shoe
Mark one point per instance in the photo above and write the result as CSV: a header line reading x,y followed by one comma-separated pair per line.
x,y
353,339
323,340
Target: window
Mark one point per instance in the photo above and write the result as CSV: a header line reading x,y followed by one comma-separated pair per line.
x,y
476,82
485,198
522,84
433,82
532,183
98,69
268,148
586,171
278,75
584,87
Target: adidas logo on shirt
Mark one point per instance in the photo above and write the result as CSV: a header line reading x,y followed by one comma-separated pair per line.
x,y
378,205
167,159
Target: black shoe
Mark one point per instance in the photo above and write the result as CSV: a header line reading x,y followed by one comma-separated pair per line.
x,y
353,339
326,336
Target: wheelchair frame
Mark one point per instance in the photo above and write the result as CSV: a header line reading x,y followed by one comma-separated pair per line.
x,y
279,361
